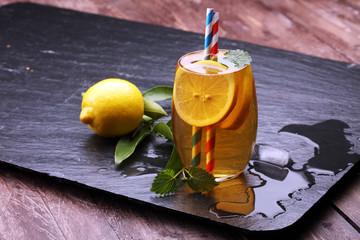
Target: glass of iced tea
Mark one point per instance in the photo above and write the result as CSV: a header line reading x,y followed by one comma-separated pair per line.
x,y
219,99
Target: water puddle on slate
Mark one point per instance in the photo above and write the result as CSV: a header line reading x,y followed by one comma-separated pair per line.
x,y
272,176
260,190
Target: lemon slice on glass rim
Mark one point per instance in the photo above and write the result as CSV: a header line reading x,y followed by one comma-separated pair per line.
x,y
207,67
212,64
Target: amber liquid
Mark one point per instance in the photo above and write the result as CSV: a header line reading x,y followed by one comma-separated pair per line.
x,y
235,134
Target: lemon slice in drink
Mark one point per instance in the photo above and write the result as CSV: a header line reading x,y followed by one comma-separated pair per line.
x,y
240,112
207,67
213,64
203,100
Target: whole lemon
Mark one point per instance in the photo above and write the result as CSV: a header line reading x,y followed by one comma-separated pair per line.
x,y
112,107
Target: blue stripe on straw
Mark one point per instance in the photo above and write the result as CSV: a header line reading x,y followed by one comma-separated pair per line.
x,y
209,17
208,40
208,33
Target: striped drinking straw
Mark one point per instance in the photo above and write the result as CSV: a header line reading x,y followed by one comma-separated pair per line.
x,y
196,145
197,131
208,33
211,130
215,37
210,148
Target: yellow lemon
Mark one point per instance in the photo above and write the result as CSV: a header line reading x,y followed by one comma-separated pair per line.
x,y
112,107
203,100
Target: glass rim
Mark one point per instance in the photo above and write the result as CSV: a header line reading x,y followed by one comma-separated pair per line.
x,y
205,74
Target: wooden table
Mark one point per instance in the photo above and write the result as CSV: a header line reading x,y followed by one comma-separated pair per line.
x,y
34,206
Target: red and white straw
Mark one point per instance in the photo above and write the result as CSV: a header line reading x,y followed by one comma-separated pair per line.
x,y
215,37
211,130
210,148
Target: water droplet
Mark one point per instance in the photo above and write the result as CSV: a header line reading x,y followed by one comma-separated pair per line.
x,y
151,153
100,170
319,171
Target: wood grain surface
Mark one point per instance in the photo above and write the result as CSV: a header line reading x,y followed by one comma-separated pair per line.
x,y
33,206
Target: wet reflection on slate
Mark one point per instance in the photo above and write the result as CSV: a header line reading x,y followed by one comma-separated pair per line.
x,y
99,145
331,148
153,149
280,184
271,178
276,184
238,194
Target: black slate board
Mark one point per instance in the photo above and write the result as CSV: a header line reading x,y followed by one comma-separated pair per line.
x,y
48,56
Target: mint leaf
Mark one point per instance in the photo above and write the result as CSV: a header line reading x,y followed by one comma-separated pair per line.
x,y
200,180
164,130
127,143
174,162
153,110
239,57
165,182
159,93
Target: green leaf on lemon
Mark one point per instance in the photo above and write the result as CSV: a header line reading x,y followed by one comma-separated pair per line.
x,y
169,123
164,130
239,57
147,118
159,93
127,143
200,180
165,182
153,109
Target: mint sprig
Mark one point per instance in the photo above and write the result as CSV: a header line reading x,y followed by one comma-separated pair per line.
x,y
201,180
239,57
165,182
174,162
168,181
198,179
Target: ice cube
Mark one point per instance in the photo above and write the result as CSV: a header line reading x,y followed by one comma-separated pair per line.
x,y
272,155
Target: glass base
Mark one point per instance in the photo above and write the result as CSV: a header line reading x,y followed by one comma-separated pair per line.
x,y
223,177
